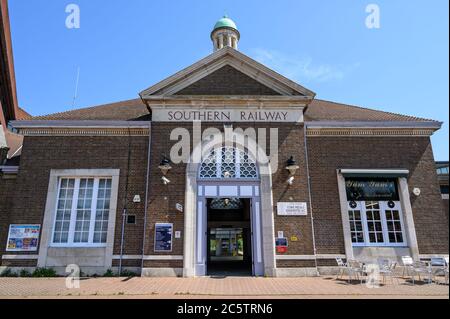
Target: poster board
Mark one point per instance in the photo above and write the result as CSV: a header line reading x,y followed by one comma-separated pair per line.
x,y
23,237
163,237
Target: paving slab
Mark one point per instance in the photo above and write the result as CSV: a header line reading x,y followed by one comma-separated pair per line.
x,y
209,287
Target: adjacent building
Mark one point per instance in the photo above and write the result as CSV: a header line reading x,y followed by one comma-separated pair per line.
x,y
10,143
224,167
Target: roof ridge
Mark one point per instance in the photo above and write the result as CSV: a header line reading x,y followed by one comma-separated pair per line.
x,y
379,111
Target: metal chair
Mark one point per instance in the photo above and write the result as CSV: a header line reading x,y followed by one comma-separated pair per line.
x,y
439,266
446,275
355,270
387,269
407,263
342,267
446,270
421,267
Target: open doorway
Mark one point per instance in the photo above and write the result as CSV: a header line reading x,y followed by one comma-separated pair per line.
x,y
229,239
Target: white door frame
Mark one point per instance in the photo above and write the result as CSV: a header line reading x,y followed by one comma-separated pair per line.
x,y
238,189
190,217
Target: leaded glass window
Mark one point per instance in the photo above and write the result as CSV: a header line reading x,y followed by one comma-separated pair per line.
x,y
228,162
226,203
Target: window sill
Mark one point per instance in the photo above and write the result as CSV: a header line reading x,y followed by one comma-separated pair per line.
x,y
78,246
380,245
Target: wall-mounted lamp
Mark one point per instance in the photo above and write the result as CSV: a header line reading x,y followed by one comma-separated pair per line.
x,y
164,166
292,166
290,180
165,180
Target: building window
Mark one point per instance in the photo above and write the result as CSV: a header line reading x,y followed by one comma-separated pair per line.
x,y
82,212
442,171
356,227
228,162
374,212
375,223
394,226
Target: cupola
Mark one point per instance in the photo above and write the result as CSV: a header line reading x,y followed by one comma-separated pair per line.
x,y
225,34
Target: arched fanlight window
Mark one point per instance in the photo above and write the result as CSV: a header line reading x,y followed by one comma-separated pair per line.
x,y
228,162
226,203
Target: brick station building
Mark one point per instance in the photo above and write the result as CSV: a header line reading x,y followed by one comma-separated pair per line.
x,y
111,187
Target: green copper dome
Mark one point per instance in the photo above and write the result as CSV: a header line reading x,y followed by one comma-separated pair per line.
x,y
225,22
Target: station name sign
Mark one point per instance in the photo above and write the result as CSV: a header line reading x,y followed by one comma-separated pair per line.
x,y
227,115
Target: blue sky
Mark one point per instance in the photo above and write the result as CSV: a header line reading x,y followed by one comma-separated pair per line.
x,y
123,47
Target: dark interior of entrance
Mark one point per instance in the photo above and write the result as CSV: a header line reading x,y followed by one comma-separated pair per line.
x,y
229,250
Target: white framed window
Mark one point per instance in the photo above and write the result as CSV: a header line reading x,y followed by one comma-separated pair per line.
x,y
376,223
82,212
356,223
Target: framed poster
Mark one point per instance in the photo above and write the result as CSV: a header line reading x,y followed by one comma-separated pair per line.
x,y
163,237
23,237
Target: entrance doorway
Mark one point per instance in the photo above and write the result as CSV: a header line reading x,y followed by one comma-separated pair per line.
x,y
228,222
229,237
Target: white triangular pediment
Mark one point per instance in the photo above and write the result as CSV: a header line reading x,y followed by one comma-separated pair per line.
x,y
218,60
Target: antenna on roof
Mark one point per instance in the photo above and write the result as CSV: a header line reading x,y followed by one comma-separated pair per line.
x,y
75,95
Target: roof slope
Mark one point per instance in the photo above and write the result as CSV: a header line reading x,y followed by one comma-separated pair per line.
x,y
128,110
321,110
318,110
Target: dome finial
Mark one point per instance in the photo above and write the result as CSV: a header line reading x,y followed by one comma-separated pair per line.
x,y
225,33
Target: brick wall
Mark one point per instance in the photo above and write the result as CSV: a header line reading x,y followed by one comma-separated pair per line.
x,y
7,187
164,197
445,205
326,154
227,81
26,203
41,154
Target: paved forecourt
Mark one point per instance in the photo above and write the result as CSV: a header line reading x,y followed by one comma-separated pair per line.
x,y
208,287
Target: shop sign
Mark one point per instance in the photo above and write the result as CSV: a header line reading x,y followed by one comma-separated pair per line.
x,y
23,237
292,209
384,189
163,237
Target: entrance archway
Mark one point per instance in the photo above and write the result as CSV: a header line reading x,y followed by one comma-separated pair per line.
x,y
228,172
